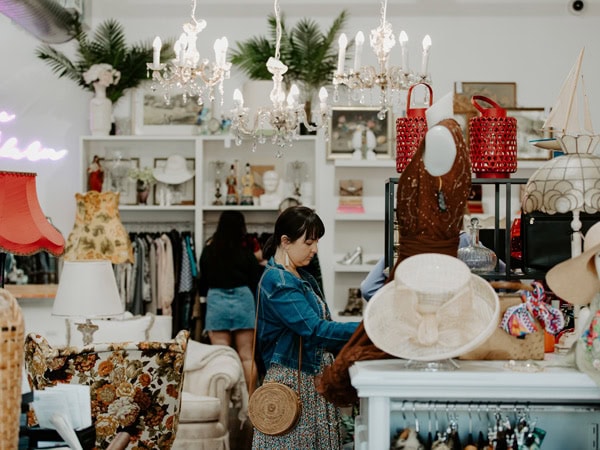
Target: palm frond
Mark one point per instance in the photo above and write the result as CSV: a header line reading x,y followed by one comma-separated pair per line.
x,y
107,45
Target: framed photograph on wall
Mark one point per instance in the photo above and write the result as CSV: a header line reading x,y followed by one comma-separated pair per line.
x,y
152,114
182,194
503,93
529,127
352,127
116,178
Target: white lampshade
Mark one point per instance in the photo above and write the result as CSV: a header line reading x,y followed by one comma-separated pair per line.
x,y
87,289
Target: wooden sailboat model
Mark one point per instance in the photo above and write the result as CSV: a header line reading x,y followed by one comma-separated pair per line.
x,y
570,135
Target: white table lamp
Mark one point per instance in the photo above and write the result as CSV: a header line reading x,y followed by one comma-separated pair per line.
x,y
87,289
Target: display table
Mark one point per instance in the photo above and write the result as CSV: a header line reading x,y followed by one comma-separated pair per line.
x,y
386,386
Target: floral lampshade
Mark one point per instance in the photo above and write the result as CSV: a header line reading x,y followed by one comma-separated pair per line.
x,y
98,232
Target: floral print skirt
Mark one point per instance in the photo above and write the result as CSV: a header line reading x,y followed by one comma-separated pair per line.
x,y
319,426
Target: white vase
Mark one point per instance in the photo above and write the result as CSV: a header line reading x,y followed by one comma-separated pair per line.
x,y
100,112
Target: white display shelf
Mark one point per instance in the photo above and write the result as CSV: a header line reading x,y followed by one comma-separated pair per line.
x,y
385,163
357,217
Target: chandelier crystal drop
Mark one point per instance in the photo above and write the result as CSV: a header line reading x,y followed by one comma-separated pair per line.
x,y
188,74
280,122
390,80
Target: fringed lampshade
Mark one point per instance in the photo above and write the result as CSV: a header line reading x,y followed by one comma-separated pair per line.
x,y
98,232
24,230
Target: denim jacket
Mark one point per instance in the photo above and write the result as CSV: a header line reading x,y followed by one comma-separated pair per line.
x,y
289,308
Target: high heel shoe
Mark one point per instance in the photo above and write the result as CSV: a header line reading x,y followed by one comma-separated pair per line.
x,y
355,303
353,258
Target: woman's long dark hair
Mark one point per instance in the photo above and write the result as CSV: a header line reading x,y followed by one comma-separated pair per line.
x,y
230,232
293,222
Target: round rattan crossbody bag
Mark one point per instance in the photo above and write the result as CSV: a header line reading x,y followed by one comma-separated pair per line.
x,y
274,408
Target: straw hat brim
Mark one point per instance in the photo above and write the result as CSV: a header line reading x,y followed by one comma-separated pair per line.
x,y
576,280
385,323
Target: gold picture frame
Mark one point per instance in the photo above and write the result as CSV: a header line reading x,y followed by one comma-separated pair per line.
x,y
529,127
503,93
346,121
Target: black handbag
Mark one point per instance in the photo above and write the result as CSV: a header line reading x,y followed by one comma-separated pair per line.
x,y
546,239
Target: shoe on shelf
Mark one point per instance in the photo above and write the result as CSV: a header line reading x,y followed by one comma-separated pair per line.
x,y
354,257
355,303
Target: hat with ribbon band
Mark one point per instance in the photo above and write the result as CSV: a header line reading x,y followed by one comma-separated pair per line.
x,y
434,309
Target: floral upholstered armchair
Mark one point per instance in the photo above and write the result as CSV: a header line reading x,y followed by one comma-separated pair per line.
x,y
134,387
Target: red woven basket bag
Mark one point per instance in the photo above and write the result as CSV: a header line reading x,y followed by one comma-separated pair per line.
x,y
492,140
410,130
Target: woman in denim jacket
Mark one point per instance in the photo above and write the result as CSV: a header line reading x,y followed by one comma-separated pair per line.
x,y
291,307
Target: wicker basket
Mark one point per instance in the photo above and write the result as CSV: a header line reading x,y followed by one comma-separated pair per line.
x,y
11,366
492,141
410,130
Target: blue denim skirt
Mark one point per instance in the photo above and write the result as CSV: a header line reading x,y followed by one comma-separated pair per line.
x,y
229,309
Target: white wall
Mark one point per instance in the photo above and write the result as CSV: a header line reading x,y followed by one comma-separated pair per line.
x,y
534,51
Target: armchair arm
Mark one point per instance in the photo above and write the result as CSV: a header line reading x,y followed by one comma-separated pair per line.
x,y
216,371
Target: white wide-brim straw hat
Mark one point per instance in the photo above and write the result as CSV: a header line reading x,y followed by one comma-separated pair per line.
x,y
576,280
434,309
174,171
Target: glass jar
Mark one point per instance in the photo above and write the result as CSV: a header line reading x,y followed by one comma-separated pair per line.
x,y
478,258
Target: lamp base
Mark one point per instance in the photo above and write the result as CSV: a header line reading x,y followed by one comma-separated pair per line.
x,y
87,330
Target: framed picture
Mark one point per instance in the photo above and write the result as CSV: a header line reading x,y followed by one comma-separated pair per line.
x,y
503,93
182,194
529,126
152,114
116,178
358,129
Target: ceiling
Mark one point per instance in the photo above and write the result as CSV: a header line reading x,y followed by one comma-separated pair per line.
x,y
315,8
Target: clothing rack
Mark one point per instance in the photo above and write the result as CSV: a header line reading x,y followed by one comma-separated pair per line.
x,y
480,408
157,227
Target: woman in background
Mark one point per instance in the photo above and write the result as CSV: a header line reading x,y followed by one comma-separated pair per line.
x,y
292,312
229,274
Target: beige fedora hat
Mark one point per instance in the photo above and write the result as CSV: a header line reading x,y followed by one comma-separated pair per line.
x,y
175,171
434,309
576,280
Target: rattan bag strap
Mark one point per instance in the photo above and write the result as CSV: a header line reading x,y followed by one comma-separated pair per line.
x,y
254,340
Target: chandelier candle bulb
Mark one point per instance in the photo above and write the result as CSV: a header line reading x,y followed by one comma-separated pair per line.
x,y
342,43
403,39
238,99
323,95
156,45
359,40
425,60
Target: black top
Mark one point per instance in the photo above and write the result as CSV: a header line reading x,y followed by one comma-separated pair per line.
x,y
239,267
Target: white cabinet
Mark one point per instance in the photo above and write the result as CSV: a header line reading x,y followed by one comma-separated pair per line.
x,y
350,230
198,213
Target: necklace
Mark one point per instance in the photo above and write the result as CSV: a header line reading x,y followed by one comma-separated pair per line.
x,y
441,198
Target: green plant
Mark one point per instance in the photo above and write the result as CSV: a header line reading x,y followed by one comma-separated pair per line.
x,y
144,176
309,53
107,46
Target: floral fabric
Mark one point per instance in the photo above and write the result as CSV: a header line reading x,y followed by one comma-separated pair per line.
x,y
98,232
134,387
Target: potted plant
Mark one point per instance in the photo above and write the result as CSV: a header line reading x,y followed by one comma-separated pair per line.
x,y
107,46
309,54
143,178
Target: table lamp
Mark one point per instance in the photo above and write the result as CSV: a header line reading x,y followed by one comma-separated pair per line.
x,y
87,289
24,230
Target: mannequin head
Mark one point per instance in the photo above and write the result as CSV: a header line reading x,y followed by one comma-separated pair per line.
x,y
270,181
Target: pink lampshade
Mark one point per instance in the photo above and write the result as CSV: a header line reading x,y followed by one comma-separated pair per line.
x,y
24,229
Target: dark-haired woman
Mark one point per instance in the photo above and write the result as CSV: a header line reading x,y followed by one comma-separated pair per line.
x,y
292,312
229,274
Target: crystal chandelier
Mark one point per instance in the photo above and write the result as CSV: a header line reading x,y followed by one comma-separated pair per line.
x,y
188,74
281,120
389,79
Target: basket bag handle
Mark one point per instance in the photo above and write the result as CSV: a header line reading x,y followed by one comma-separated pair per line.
x,y
496,111
254,343
415,113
